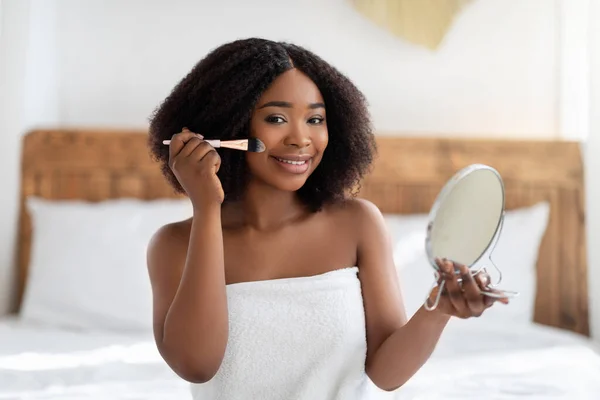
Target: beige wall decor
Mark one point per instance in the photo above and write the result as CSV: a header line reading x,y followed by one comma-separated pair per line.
x,y
423,22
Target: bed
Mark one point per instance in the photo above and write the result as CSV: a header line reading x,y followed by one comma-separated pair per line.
x,y
56,363
69,340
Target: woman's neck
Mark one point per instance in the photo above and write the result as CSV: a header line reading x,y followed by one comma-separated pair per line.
x,y
265,208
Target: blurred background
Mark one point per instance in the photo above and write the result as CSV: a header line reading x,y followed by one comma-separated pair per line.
x,y
524,69
521,69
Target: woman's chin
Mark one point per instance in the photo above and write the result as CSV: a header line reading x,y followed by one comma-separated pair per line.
x,y
290,187
283,185
288,184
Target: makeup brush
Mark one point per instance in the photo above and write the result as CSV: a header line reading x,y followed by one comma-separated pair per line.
x,y
253,145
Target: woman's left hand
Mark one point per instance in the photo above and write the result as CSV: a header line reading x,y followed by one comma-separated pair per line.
x,y
463,299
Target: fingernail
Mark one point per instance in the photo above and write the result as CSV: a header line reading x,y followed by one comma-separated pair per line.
x,y
199,136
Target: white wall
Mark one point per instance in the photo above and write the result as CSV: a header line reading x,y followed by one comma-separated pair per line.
x,y
496,73
593,168
501,70
109,62
14,37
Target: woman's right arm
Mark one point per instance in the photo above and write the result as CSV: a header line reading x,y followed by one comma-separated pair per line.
x,y
190,303
187,271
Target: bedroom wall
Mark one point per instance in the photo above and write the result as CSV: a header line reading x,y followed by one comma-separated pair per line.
x,y
13,55
593,167
499,72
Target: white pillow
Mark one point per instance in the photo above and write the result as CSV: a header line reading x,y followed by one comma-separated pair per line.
x,y
88,262
516,255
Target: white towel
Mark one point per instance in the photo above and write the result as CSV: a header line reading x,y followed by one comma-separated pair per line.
x,y
294,339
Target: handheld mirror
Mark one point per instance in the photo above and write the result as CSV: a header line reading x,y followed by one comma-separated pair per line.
x,y
465,223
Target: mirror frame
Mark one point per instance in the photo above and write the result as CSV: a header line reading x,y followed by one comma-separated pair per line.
x,y
446,190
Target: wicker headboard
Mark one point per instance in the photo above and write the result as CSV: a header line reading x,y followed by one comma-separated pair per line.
x,y
409,172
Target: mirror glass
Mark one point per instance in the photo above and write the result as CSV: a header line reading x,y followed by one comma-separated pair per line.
x,y
465,223
466,216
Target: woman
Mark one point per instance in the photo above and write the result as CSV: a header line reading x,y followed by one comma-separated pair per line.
x,y
281,286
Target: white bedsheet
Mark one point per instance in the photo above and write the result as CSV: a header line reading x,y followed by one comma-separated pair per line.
x,y
479,359
475,359
44,363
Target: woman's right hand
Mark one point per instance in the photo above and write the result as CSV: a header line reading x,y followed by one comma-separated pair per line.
x,y
195,164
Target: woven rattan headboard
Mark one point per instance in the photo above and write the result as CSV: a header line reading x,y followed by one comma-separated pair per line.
x,y
409,172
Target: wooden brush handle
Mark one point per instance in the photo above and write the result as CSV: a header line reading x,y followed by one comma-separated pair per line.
x,y
213,143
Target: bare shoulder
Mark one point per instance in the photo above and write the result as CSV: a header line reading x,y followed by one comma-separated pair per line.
x,y
168,245
171,234
364,208
359,214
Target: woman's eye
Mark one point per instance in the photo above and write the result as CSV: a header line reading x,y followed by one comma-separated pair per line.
x,y
316,120
274,119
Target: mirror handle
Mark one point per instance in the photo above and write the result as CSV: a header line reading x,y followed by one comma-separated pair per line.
x,y
437,297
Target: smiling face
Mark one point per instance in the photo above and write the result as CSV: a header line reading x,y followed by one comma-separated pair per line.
x,y
290,120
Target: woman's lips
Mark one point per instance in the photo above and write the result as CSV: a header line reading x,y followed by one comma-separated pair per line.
x,y
298,164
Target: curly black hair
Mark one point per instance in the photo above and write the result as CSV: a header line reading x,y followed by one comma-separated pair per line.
x,y
217,99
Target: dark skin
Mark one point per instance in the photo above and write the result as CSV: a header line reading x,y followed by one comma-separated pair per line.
x,y
269,234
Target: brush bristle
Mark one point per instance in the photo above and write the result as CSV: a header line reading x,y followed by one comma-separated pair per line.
x,y
256,146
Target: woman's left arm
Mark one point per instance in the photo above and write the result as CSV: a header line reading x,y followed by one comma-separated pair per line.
x,y
397,348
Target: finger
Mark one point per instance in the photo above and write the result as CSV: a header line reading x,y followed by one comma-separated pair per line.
x,y
471,292
190,147
217,162
186,130
483,280
453,289
503,300
213,159
201,151
440,265
179,140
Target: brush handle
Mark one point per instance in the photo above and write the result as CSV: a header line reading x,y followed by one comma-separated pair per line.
x,y
239,144
213,143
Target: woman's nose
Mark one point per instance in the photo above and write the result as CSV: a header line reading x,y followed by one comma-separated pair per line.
x,y
298,137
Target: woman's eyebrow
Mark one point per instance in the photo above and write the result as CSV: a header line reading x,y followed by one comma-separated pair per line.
x,y
286,104
277,104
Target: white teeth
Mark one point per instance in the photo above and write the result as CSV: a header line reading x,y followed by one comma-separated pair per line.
x,y
291,162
